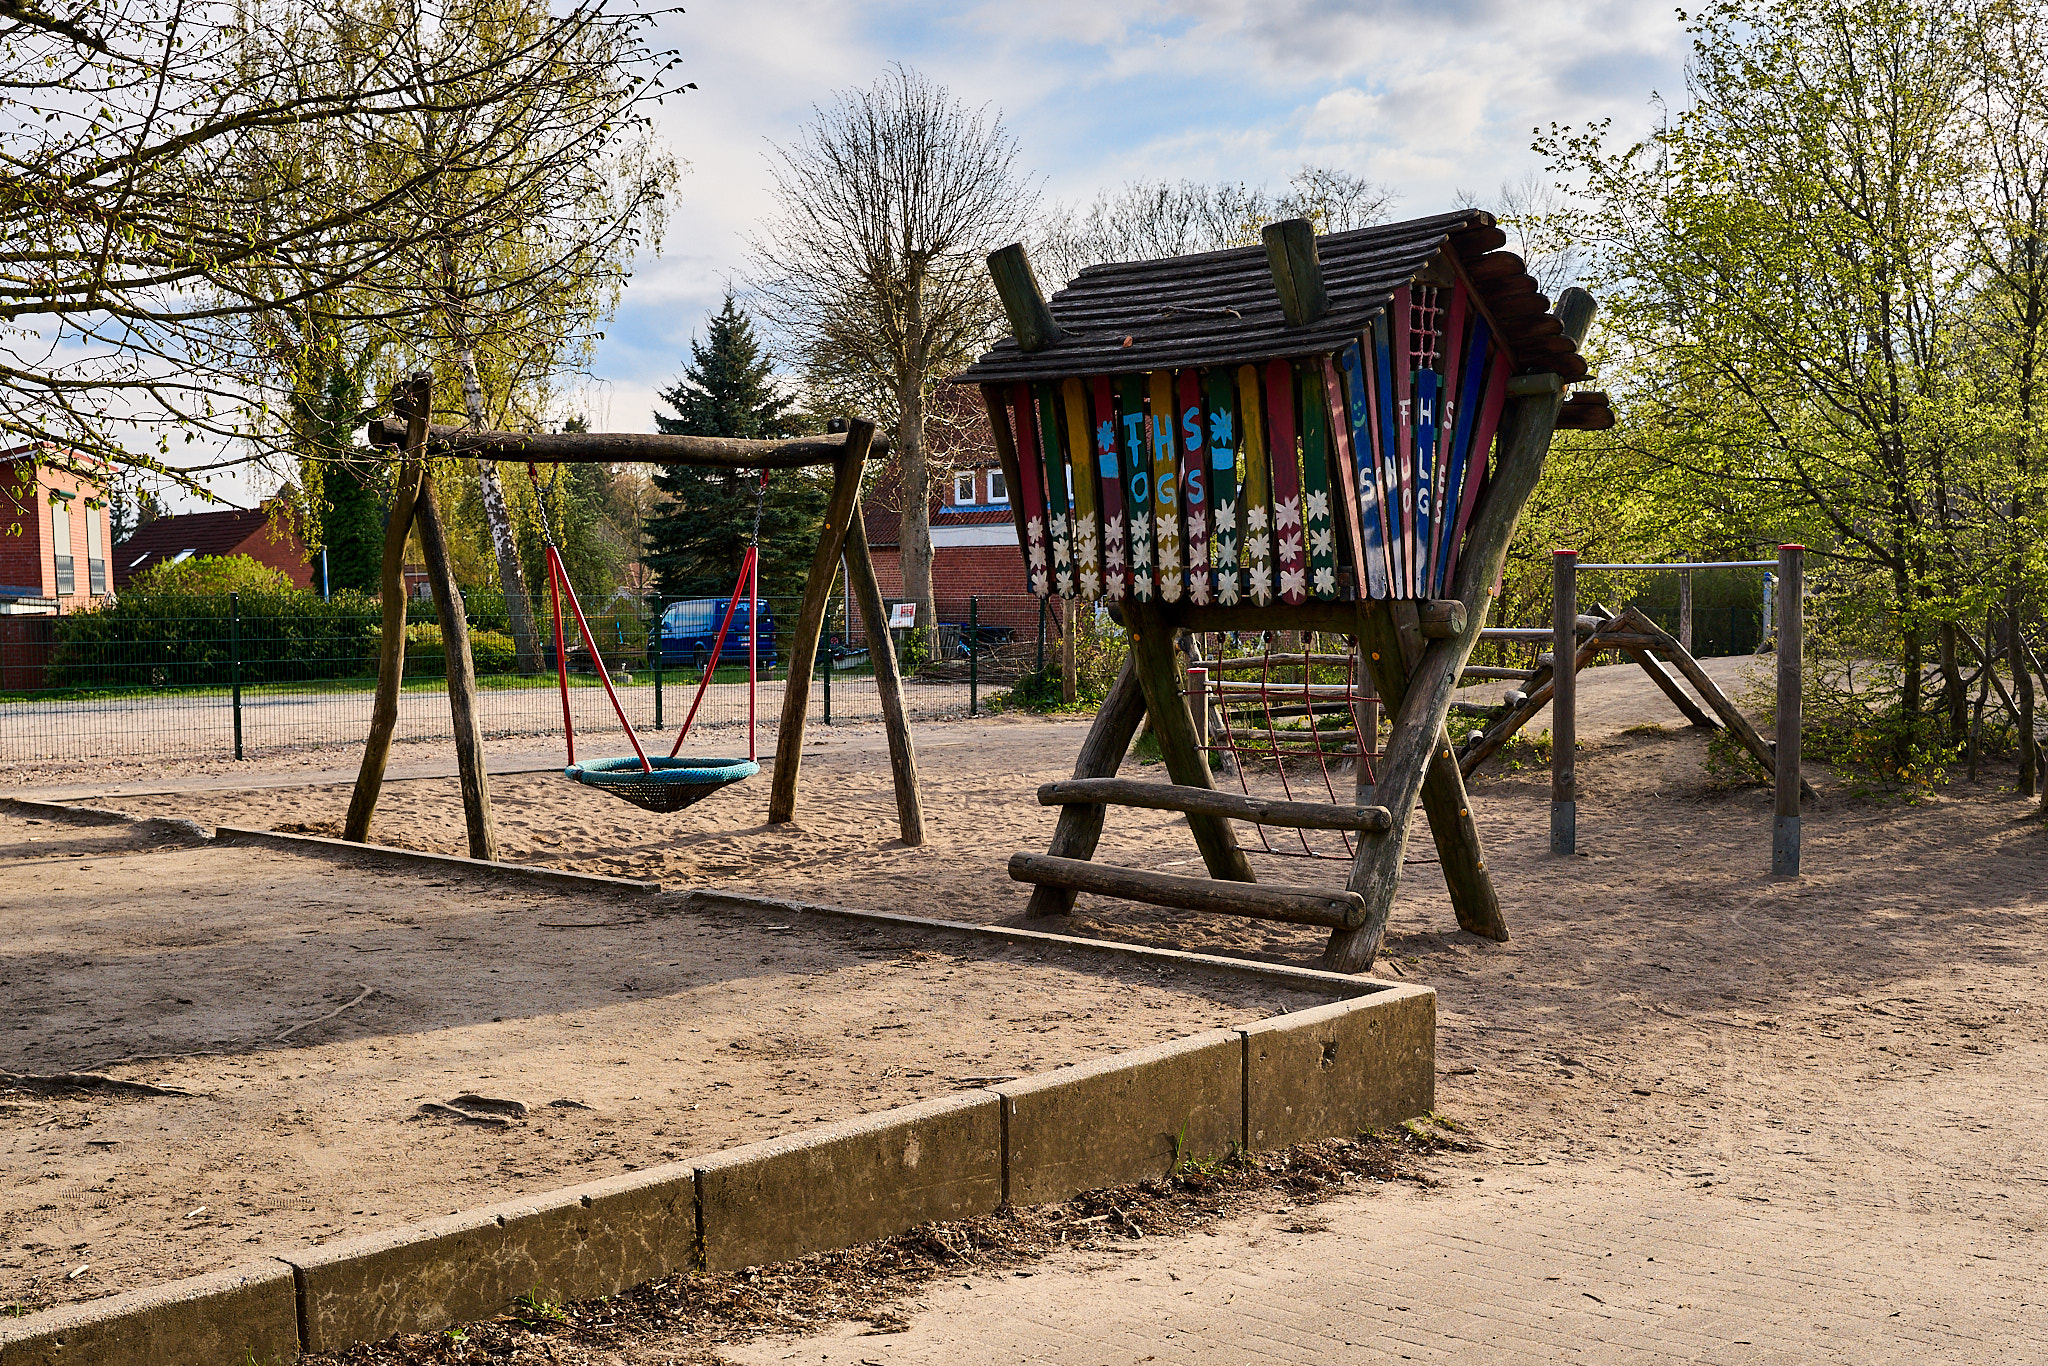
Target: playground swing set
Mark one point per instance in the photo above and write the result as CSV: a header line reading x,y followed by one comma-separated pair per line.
x,y
654,782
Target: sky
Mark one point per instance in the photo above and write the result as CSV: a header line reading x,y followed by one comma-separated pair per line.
x,y
1429,99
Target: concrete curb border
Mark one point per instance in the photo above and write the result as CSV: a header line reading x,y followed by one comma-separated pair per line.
x,y
319,845
1365,1060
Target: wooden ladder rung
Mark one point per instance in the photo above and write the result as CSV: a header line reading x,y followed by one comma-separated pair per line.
x,y
1209,802
1261,901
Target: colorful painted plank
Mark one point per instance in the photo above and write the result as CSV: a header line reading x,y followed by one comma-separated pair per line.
x,y
1193,436
1400,368
1490,406
1344,476
1130,422
1386,456
1361,411
1226,496
1450,489
1318,528
1461,416
1031,472
1116,569
1087,522
1255,505
1058,519
1283,458
1162,428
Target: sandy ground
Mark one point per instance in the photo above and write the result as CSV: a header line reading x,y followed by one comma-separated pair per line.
x,y
631,1033
1853,1050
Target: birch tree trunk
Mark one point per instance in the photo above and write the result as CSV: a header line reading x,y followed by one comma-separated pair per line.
x,y
914,535
497,515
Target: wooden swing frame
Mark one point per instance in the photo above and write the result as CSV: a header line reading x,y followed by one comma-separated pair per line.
x,y
414,505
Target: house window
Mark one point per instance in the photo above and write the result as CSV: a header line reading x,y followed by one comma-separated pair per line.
x,y
963,488
95,555
60,542
998,489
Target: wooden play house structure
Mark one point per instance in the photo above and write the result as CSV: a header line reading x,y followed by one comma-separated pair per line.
x,y
1332,434
414,506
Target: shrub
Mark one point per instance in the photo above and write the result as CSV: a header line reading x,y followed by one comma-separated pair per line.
x,y
426,656
210,576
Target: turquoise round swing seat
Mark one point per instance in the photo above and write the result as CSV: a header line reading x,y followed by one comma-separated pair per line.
x,y
673,785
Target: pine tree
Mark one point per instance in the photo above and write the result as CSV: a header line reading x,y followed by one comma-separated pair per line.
x,y
695,543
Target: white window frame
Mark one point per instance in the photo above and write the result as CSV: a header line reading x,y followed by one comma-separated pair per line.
x,y
63,565
963,488
998,487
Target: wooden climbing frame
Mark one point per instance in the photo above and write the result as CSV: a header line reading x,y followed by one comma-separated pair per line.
x,y
1331,434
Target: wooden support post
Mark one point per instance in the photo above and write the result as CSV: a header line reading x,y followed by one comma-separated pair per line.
x,y
362,803
1153,663
1198,705
1564,696
1685,609
1079,828
1297,271
463,711
1070,686
860,576
1661,676
840,510
1791,643
1031,320
1417,742
1365,719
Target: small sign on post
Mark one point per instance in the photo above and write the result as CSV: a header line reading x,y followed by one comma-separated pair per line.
x,y
903,616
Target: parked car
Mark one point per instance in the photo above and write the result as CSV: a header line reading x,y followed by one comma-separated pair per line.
x,y
686,630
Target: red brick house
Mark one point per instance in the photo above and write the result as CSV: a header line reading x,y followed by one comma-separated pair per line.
x,y
53,537
234,532
974,542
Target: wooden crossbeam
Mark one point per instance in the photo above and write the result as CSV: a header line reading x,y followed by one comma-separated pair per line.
x,y
1260,901
1208,801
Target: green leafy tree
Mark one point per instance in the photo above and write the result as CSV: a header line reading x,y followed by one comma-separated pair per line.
x,y
1788,293
697,539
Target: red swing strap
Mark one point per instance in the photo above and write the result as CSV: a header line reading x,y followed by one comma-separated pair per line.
x,y
717,649
557,574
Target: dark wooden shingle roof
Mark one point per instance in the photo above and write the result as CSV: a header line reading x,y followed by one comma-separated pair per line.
x,y
1221,307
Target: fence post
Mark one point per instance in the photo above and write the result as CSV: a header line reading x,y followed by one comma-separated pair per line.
x,y
1069,619
825,667
1685,610
1785,762
235,662
660,654
974,652
1564,674
1043,605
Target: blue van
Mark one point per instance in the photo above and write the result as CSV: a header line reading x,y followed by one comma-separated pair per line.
x,y
684,634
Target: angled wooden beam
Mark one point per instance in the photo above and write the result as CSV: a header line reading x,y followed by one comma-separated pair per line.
x,y
1079,828
1531,420
840,510
1153,662
860,577
1031,320
362,803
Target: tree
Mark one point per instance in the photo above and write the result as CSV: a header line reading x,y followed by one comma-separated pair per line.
x,y
1147,220
696,540
162,155
1786,293
873,268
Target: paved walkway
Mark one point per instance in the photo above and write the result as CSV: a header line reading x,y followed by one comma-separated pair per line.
x,y
1590,1266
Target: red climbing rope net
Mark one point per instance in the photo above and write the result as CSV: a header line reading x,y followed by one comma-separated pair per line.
x,y
1287,714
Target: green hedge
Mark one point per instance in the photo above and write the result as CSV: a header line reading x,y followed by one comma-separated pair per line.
x,y
492,652
186,640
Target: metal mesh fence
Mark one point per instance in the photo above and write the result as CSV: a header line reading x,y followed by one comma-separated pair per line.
x,y
210,678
